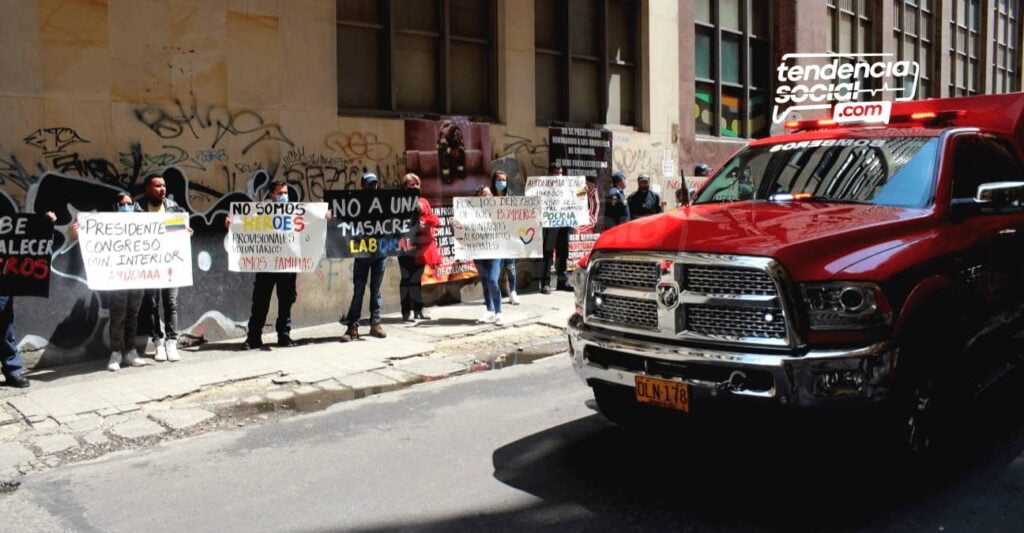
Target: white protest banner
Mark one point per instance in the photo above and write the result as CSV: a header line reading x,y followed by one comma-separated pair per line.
x,y
564,200
276,236
504,227
135,250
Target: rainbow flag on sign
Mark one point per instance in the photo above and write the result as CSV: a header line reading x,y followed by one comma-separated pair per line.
x,y
175,224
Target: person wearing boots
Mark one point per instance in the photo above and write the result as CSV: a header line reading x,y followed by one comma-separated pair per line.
x,y
165,340
263,286
412,266
364,268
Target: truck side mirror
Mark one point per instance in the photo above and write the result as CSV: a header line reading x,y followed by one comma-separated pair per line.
x,y
1001,193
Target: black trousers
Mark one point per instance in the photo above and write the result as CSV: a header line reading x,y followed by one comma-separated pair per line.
x,y
262,287
410,287
555,240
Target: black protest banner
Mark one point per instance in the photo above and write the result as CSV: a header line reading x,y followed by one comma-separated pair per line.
x,y
26,244
372,223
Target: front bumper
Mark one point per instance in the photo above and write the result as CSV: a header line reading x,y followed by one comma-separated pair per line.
x,y
817,378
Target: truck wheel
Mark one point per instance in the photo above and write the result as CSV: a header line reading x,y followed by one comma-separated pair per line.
x,y
920,416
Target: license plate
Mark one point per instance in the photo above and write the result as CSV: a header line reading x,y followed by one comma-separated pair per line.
x,y
663,393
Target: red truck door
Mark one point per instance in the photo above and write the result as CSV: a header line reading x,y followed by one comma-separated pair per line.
x,y
989,269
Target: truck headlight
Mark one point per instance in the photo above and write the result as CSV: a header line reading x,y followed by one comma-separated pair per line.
x,y
845,305
579,288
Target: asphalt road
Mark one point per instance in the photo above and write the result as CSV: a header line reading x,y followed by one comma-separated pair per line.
x,y
518,449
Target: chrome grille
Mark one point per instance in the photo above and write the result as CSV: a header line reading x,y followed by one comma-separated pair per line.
x,y
735,321
628,311
632,274
725,280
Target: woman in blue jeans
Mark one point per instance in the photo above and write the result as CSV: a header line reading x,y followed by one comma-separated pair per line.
x,y
490,271
499,187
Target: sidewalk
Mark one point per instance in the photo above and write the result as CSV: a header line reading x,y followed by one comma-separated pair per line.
x,y
83,410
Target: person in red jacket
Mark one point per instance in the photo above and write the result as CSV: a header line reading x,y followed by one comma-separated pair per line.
x,y
426,254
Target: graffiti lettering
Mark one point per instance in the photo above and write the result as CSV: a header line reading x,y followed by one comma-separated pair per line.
x,y
358,145
52,140
217,121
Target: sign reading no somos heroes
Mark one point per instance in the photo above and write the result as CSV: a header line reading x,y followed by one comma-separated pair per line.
x,y
564,200
498,227
276,237
372,223
135,250
26,244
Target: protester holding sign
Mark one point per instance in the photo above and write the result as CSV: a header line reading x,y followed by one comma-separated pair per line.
x,y
565,207
371,234
124,312
156,201
27,244
490,270
499,188
276,239
410,286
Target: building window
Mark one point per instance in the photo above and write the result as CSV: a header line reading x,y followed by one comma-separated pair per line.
x,y
1006,63
913,35
965,44
587,61
850,28
732,68
416,56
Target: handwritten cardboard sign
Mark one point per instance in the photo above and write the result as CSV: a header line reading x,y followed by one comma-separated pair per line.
x,y
372,223
135,250
26,244
564,200
498,227
450,269
276,237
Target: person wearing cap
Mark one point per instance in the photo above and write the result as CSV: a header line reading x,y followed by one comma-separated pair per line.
x,y
363,268
556,241
644,201
616,211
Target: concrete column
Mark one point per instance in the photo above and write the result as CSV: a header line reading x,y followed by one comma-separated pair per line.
x,y
517,99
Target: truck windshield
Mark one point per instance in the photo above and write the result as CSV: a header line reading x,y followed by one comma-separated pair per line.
x,y
892,171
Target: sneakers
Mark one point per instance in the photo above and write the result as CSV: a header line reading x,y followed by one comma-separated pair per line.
x,y
513,298
406,317
132,359
498,320
377,330
487,318
544,289
115,362
351,334
172,351
161,351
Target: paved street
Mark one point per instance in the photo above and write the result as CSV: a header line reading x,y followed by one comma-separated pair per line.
x,y
517,449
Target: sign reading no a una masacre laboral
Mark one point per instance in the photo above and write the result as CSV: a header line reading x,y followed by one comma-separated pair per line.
x,y
372,223
135,250
276,236
505,227
26,244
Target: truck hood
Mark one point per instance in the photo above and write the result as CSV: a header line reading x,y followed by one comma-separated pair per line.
x,y
813,240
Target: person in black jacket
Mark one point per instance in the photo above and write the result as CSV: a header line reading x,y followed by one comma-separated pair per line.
x,y
616,210
644,201
156,201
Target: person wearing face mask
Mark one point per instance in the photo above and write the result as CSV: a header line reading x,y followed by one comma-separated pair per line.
x,y
616,211
499,187
644,201
427,253
124,311
490,271
264,284
156,201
